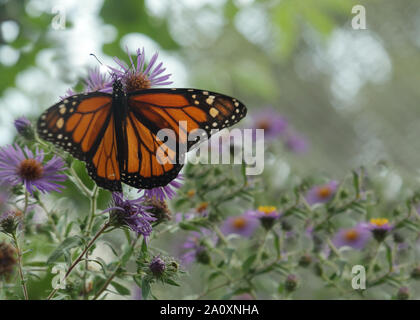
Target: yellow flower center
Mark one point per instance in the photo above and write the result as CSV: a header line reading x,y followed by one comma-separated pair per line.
x,y
191,193
30,169
267,209
324,192
239,223
202,206
351,235
379,222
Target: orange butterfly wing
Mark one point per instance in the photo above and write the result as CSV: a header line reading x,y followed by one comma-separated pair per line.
x,y
182,111
83,125
128,149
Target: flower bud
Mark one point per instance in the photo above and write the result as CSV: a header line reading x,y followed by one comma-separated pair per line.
x,y
157,266
305,260
9,222
203,256
403,293
415,273
24,128
291,283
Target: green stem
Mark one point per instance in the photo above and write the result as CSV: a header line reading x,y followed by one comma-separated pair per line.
x,y
93,206
76,180
22,279
50,219
220,234
91,242
374,259
112,276
261,249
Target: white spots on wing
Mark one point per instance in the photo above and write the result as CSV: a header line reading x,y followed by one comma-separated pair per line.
x,y
214,112
60,136
196,102
62,109
206,93
210,100
60,123
214,124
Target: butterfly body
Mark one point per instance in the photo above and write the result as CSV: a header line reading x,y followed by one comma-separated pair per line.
x,y
118,134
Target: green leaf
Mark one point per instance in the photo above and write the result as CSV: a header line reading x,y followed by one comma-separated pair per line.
x,y
248,262
145,288
64,247
277,243
389,256
172,282
120,288
188,226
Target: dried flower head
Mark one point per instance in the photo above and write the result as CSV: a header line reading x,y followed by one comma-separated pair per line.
x,y
7,259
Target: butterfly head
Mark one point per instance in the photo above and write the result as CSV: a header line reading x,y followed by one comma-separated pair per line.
x,y
118,88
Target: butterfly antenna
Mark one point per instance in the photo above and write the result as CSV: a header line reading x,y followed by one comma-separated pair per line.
x,y
97,59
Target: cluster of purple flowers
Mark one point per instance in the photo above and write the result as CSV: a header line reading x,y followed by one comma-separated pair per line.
x,y
358,236
24,167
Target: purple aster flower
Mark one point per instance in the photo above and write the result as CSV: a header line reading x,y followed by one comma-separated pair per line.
x,y
157,266
195,247
296,143
267,215
139,77
131,213
68,93
322,193
273,123
379,227
19,166
168,191
96,81
355,238
243,225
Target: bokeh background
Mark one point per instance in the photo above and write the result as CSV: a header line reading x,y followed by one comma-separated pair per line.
x,y
353,94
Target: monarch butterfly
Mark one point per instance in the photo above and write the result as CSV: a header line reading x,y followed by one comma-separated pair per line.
x,y
117,134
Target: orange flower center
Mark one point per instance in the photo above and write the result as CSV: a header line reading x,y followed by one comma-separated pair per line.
x,y
30,169
239,223
202,207
324,192
135,82
263,124
191,193
351,235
